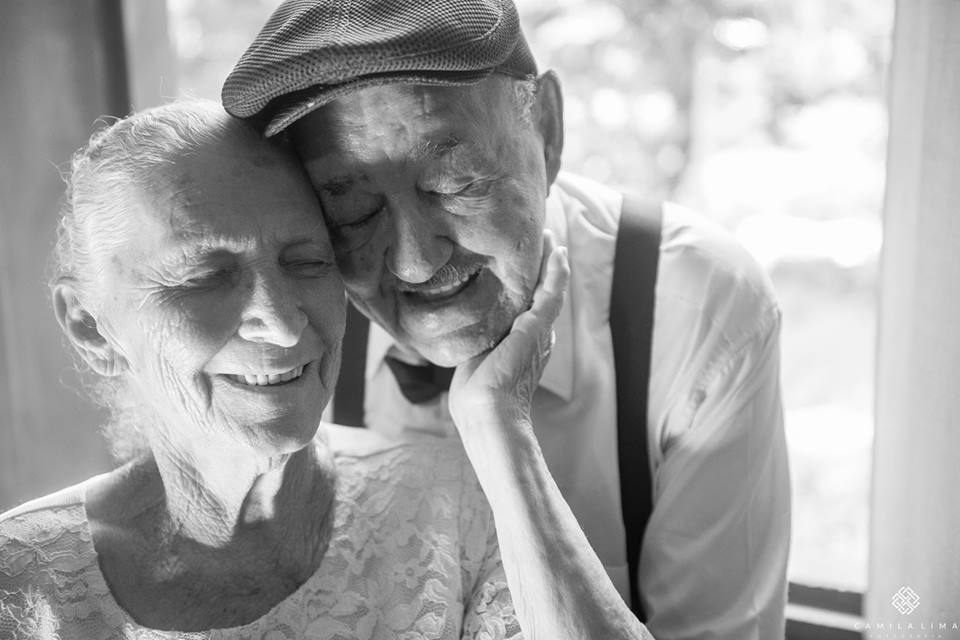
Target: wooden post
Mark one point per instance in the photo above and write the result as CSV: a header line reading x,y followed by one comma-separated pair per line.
x,y
151,59
915,528
62,65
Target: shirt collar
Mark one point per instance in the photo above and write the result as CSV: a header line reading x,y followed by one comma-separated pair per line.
x,y
379,343
558,374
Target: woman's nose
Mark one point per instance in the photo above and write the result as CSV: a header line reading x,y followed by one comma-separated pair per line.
x,y
272,312
420,244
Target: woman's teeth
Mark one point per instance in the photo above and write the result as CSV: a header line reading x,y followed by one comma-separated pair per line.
x,y
266,380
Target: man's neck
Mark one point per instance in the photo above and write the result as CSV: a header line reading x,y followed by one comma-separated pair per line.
x,y
406,354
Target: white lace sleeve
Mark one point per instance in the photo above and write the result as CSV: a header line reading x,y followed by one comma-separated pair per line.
x,y
48,576
25,614
29,547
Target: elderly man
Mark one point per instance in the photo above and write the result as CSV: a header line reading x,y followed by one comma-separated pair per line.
x,y
434,146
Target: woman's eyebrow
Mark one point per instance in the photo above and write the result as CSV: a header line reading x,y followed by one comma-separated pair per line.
x,y
192,255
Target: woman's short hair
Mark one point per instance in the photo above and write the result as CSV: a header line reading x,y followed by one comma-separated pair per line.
x,y
128,158
126,161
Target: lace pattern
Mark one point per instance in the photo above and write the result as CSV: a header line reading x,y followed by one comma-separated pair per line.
x,y
413,555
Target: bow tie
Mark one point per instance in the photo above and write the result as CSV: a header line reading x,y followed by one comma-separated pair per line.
x,y
420,383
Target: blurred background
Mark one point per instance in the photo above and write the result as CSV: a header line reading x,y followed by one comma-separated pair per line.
x,y
767,115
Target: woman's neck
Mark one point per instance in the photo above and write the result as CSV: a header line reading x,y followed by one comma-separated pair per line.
x,y
192,540
218,495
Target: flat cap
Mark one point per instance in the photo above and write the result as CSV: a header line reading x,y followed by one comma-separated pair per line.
x,y
313,51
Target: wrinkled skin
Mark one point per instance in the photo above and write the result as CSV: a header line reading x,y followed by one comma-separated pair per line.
x,y
229,272
435,197
502,382
435,201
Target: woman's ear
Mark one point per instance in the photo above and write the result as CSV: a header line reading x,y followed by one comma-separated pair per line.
x,y
550,121
84,334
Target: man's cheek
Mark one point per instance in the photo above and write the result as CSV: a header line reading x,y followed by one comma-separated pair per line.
x,y
358,265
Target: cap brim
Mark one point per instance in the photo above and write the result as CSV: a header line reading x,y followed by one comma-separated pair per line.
x,y
295,106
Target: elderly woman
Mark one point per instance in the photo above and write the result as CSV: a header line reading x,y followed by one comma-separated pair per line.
x,y
196,279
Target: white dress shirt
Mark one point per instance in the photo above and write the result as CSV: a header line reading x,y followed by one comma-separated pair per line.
x,y
713,562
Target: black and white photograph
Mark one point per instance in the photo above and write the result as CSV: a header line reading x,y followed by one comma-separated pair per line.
x,y
479,319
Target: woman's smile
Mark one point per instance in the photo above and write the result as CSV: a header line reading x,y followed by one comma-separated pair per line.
x,y
266,379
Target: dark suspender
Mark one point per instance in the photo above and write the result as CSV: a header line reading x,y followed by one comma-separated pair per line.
x,y
348,395
631,325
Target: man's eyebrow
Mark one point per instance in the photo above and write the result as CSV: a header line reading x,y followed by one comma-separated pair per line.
x,y
441,148
339,185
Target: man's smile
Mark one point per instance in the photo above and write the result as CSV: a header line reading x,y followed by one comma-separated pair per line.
x,y
444,309
447,283
446,290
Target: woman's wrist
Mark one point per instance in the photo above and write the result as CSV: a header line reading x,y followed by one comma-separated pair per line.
x,y
502,448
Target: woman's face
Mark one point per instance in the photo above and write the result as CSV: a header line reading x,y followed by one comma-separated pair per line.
x,y
224,300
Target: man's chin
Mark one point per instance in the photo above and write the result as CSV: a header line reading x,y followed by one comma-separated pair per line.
x,y
451,352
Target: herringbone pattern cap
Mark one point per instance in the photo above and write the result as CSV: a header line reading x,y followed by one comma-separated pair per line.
x,y
312,51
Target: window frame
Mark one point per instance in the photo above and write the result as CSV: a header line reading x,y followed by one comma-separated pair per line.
x,y
820,613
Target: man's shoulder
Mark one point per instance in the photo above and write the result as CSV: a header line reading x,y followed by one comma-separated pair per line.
x,y
586,202
704,269
692,241
701,264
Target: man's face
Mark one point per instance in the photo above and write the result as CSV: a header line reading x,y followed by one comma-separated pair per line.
x,y
434,197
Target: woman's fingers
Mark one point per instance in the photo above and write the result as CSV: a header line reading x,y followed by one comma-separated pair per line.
x,y
551,288
548,299
514,366
531,338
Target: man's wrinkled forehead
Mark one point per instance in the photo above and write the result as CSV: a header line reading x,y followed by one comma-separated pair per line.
x,y
422,121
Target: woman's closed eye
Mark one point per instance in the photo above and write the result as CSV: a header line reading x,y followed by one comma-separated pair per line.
x,y
309,267
208,279
167,287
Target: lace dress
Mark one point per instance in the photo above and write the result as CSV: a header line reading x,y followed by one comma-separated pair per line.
x,y
413,555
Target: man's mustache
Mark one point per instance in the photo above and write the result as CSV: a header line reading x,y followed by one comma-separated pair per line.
x,y
450,273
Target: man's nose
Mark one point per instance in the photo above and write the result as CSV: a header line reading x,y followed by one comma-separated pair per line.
x,y
420,244
272,313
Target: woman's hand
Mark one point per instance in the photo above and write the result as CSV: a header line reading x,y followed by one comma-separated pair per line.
x,y
505,378
558,585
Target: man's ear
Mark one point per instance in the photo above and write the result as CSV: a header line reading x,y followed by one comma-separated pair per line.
x,y
84,334
550,121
